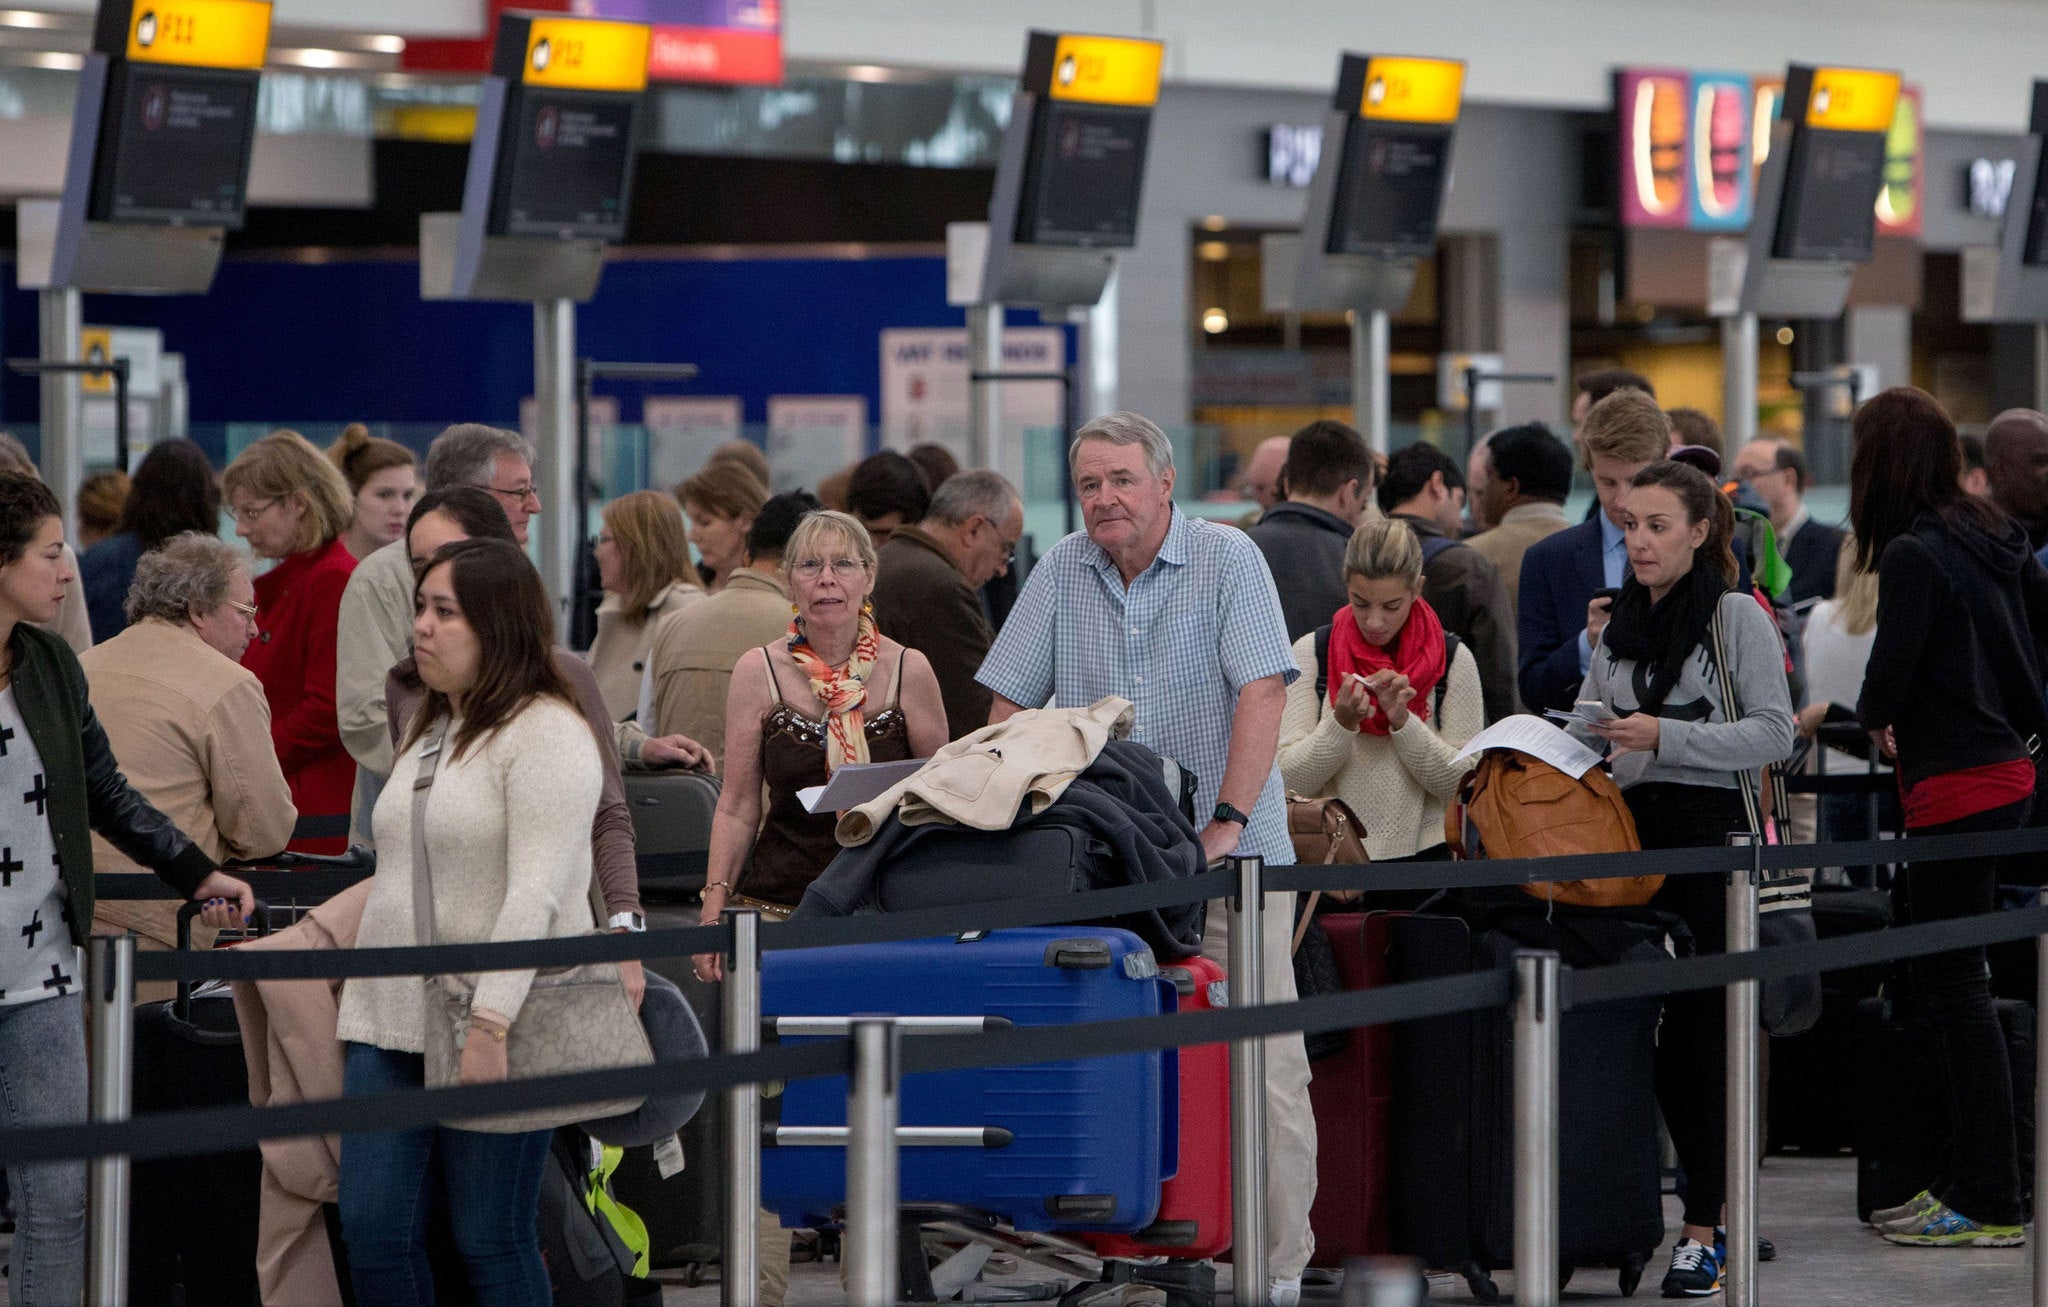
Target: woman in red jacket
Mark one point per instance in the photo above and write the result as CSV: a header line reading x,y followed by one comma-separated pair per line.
x,y
291,505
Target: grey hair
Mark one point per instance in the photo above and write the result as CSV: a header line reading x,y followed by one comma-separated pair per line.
x,y
187,574
1126,429
466,454
965,496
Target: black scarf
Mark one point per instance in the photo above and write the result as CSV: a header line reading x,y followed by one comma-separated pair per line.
x,y
1664,634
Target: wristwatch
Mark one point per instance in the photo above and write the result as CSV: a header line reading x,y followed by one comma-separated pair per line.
x,y
1224,812
628,921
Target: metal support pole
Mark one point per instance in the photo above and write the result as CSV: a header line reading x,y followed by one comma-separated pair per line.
x,y
1740,1275
1100,330
554,476
985,397
871,1164
61,316
1537,1024
110,994
1738,380
2040,1247
1371,388
739,1286
1248,1087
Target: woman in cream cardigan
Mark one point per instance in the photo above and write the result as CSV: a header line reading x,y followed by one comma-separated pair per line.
x,y
1372,737
508,821
643,564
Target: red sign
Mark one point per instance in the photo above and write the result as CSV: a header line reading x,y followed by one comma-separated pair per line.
x,y
715,54
424,55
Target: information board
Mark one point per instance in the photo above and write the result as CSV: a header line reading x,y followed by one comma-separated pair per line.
x,y
1397,154
1085,168
564,165
1840,117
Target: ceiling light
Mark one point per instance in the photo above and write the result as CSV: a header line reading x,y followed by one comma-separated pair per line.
x,y
385,44
1215,322
1784,335
1215,222
66,63
867,73
1213,251
310,57
29,18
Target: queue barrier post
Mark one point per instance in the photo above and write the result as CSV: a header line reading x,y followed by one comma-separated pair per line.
x,y
1537,1026
871,1176
1247,987
2040,1245
1743,1038
110,995
740,1282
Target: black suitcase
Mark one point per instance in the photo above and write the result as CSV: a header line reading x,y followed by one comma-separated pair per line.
x,y
672,813
1453,1154
1902,1113
1812,1075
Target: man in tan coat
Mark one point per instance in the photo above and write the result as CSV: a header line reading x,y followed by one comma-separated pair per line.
x,y
188,723
1529,473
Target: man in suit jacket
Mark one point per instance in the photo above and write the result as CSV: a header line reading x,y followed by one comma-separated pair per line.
x,y
1558,622
1776,471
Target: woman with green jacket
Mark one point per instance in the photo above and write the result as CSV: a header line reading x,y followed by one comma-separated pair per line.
x,y
58,782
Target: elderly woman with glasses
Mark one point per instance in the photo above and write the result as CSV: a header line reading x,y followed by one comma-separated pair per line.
x,y
188,723
292,505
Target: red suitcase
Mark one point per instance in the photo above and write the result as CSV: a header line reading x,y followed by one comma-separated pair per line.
x,y
1194,1206
1352,1093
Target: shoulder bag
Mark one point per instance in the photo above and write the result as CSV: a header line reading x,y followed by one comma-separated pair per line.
x,y
1789,1005
574,1018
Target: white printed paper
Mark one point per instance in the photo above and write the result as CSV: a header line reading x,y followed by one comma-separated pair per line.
x,y
856,783
1538,739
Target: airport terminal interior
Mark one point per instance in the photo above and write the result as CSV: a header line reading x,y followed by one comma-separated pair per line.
x,y
640,234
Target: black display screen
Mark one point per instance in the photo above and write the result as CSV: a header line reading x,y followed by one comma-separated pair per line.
x,y
1389,189
568,170
1831,185
175,147
1086,173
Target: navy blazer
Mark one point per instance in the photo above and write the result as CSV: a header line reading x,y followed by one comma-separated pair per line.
x,y
1559,575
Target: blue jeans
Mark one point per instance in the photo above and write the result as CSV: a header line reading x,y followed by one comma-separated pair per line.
x,y
42,1082
492,1187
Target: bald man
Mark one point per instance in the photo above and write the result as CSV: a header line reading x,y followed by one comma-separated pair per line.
x,y
2016,464
1262,473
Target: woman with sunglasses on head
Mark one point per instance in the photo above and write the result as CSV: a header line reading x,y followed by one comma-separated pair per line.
x,y
292,505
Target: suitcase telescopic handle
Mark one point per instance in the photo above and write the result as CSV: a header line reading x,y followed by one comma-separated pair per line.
x,y
181,1007
829,1027
907,1136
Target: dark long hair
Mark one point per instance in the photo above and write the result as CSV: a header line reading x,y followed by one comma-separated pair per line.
x,y
501,598
1908,461
173,492
1703,502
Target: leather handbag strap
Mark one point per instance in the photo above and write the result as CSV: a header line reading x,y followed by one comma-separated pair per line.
x,y
422,878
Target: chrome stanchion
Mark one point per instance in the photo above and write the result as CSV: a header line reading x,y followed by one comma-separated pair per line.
x,y
2040,1245
1743,1033
1248,1088
110,998
1537,1022
871,1164
740,1282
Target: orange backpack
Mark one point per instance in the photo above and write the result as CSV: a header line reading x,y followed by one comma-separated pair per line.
x,y
1519,806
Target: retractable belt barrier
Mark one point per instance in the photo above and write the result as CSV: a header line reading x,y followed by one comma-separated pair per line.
x,y
114,1138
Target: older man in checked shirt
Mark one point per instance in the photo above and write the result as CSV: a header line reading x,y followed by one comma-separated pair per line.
x,y
1180,617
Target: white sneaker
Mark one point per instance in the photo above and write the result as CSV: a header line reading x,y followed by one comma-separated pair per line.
x,y
1284,1293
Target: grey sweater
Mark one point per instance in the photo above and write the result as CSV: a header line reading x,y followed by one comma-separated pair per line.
x,y
1697,744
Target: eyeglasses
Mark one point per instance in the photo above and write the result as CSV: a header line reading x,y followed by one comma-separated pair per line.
x,y
843,569
517,494
246,610
250,512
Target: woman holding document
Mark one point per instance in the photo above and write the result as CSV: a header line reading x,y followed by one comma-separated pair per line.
x,y
1677,746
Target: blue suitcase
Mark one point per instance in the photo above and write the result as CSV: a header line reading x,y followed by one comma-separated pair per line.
x,y
1077,1145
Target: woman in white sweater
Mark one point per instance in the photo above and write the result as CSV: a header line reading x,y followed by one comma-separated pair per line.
x,y
1384,702
508,820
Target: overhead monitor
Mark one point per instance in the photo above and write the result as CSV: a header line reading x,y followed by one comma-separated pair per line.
x,y
1840,119
2034,251
178,119
1085,167
1400,116
563,166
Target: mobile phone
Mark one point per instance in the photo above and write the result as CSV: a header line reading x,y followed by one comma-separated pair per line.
x,y
1594,711
1607,592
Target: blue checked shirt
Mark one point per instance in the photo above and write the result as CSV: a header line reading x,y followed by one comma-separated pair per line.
x,y
1194,628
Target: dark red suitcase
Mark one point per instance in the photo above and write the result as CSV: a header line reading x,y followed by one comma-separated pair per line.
x,y
1352,1093
1194,1206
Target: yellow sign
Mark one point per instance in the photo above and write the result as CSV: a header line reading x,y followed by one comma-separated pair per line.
x,y
586,54
200,33
1106,70
1852,100
96,345
1412,90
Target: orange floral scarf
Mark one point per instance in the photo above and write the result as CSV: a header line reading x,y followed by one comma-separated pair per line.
x,y
843,692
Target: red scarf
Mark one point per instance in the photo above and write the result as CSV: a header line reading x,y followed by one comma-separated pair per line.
x,y
1417,653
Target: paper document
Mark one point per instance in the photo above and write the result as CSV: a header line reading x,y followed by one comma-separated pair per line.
x,y
1538,739
856,783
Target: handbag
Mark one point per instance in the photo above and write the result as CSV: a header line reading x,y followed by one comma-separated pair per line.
x,y
1788,1005
574,1019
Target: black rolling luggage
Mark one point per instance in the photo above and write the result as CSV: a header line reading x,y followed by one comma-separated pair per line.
x,y
671,829
1453,1156
1814,1075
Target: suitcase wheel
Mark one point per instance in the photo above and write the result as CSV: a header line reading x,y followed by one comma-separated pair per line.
x,y
1632,1274
1482,1285
1079,955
